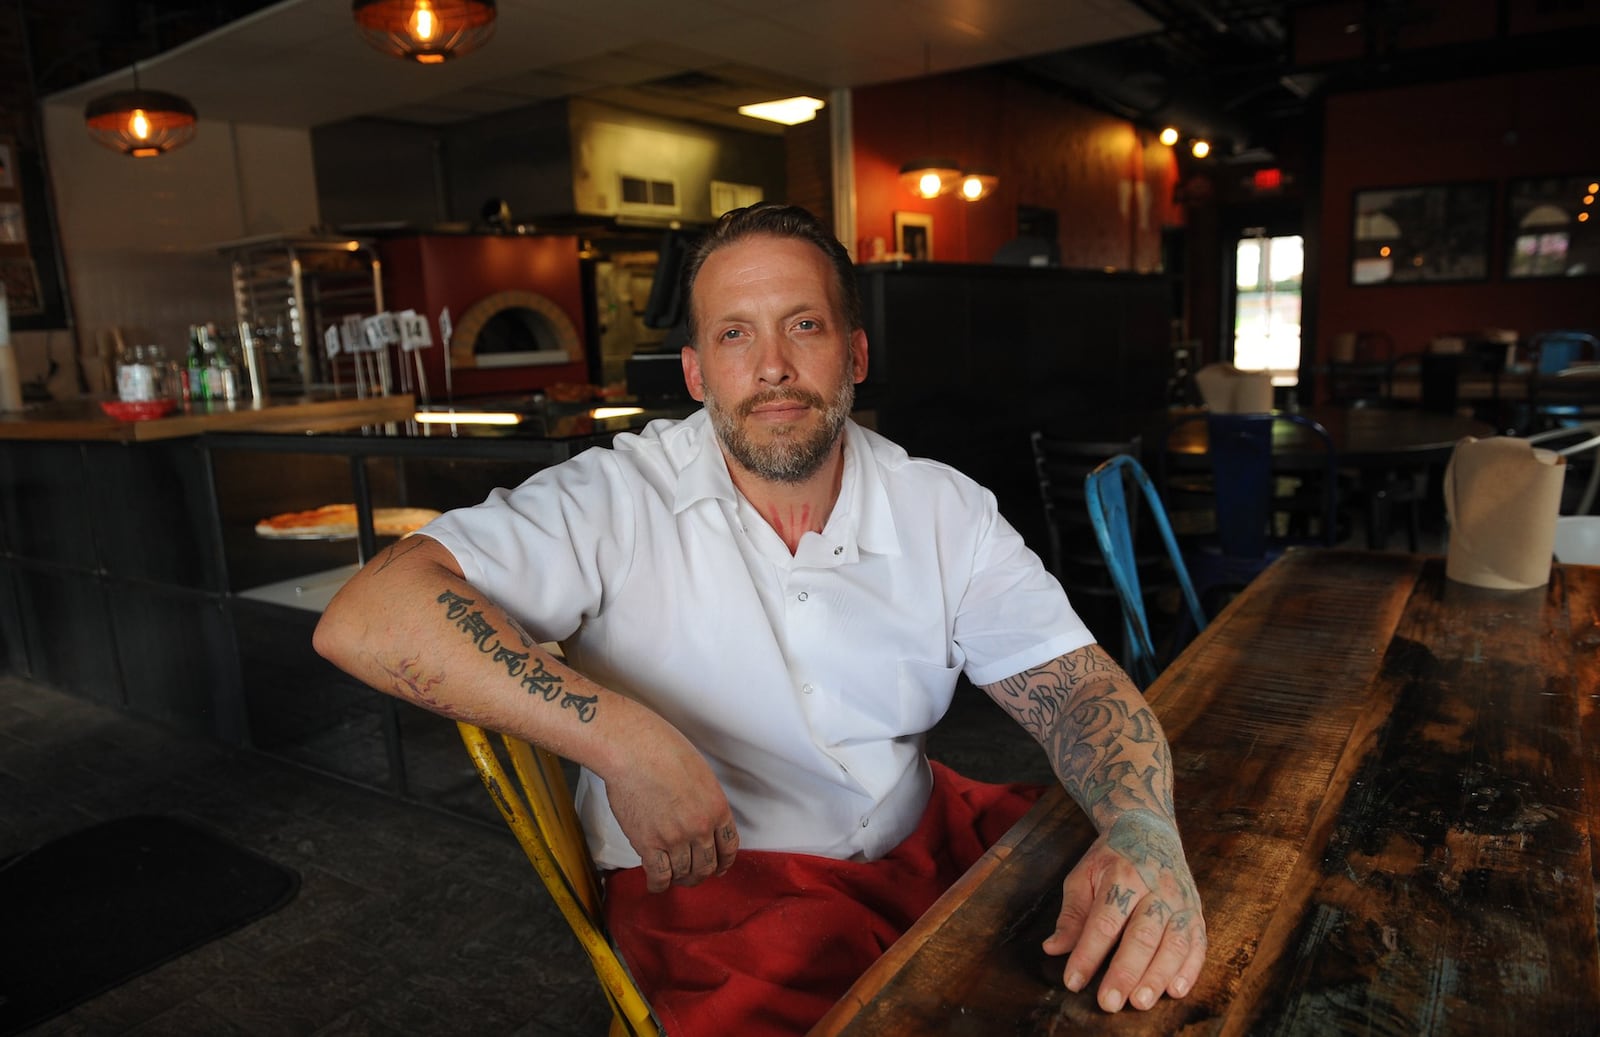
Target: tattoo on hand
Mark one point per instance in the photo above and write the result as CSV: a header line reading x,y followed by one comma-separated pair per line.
x,y
531,674
1123,898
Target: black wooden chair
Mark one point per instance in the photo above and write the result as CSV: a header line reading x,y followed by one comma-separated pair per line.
x,y
1062,465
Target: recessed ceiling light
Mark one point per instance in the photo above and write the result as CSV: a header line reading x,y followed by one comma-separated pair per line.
x,y
789,110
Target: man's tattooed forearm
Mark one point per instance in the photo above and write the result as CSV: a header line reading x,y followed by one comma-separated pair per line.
x,y
1102,740
531,674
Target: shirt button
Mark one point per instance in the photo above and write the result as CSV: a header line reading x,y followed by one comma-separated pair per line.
x,y
806,689
803,595
838,550
864,822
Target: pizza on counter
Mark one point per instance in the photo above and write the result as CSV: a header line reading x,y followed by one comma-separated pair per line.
x,y
339,520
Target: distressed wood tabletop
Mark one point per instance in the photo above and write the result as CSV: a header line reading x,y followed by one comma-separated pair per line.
x,y
1389,790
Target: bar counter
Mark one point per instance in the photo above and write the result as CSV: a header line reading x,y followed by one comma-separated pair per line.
x,y
131,573
84,420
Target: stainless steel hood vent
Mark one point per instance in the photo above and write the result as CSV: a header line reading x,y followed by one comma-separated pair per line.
x,y
580,158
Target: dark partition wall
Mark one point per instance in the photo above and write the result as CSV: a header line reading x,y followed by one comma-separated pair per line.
x,y
966,360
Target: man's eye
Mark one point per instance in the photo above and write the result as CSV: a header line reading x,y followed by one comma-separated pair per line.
x,y
731,334
807,324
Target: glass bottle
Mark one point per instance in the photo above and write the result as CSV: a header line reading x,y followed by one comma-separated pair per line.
x,y
195,363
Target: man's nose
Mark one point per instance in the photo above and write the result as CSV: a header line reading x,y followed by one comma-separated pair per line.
x,y
774,365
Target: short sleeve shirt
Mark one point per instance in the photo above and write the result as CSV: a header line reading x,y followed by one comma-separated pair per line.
x,y
808,680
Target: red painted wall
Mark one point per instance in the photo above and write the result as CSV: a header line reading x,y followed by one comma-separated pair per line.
x,y
1048,151
1490,129
432,271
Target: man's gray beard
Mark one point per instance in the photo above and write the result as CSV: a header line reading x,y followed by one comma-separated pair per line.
x,y
792,456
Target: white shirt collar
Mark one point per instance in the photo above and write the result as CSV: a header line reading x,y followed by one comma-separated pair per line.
x,y
862,510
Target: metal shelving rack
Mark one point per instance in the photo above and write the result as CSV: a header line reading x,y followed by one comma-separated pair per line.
x,y
287,291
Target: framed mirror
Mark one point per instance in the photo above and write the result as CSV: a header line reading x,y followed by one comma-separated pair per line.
x,y
1425,234
1550,227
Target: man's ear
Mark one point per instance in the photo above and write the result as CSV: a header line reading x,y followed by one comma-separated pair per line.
x,y
858,356
691,373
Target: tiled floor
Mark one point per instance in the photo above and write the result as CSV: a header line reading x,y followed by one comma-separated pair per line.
x,y
409,920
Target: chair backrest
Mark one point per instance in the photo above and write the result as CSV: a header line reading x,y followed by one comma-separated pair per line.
x,y
1361,372
1576,441
538,808
1240,448
1111,512
1551,352
1061,463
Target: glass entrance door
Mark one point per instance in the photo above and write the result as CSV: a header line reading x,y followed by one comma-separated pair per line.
x,y
1266,313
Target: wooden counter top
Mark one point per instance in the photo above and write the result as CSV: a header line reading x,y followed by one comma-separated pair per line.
x,y
84,420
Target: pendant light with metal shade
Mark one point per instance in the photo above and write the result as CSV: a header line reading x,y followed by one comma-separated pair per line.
x,y
930,178
141,123
425,31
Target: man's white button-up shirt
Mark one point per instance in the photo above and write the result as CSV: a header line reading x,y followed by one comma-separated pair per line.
x,y
807,680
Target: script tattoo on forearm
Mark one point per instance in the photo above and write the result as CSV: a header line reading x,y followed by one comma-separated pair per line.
x,y
530,674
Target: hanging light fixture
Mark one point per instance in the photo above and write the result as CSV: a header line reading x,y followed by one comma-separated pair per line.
x,y
930,177
976,184
142,123
425,31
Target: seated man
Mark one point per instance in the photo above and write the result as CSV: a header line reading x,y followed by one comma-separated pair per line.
x,y
764,609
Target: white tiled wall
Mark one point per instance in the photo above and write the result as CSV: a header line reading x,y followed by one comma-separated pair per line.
x,y
140,236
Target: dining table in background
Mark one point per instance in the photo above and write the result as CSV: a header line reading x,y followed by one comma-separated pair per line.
x,y
1388,785
1363,437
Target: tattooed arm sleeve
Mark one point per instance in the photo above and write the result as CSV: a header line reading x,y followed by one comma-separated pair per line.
x,y
1103,741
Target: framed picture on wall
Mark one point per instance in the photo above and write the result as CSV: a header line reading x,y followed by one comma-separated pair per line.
x,y
1421,235
1550,226
913,235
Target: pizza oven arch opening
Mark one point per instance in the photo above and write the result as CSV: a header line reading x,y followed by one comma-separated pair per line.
x,y
514,329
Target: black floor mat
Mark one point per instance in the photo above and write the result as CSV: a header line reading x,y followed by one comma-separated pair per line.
x,y
96,908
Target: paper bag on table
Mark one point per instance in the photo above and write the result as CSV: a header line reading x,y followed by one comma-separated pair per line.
x,y
1227,390
1502,497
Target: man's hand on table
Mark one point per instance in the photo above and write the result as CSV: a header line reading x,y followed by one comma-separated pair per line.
x,y
1132,886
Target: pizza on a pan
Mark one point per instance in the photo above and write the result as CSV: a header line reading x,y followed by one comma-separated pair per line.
x,y
339,520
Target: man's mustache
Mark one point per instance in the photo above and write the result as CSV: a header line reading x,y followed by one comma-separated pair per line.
x,y
761,399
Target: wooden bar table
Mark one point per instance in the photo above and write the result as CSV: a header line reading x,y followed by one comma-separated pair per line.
x,y
1389,790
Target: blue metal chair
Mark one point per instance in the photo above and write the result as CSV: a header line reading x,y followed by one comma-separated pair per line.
x,y
1106,495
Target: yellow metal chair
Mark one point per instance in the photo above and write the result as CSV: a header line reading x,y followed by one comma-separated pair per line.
x,y
539,809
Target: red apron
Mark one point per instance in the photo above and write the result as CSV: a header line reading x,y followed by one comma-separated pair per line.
x,y
766,950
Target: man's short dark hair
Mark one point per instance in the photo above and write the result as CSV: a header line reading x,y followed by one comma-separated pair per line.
x,y
780,221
